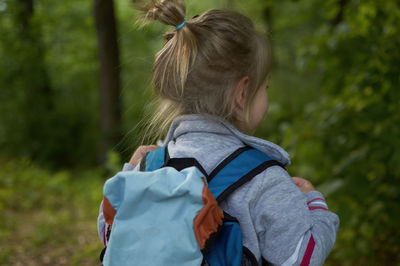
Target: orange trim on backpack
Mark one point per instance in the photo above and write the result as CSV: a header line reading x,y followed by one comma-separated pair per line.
x,y
108,212
209,218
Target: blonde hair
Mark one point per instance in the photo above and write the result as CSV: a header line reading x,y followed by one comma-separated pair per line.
x,y
196,70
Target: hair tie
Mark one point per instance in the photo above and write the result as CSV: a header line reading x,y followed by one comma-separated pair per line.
x,y
181,25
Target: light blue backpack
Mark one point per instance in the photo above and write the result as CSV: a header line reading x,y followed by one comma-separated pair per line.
x,y
168,213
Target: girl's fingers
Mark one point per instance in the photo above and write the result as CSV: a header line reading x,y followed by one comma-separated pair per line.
x,y
303,184
150,148
298,181
140,153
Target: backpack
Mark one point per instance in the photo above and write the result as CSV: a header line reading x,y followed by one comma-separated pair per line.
x,y
169,214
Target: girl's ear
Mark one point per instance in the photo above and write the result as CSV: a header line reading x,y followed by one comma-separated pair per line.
x,y
241,92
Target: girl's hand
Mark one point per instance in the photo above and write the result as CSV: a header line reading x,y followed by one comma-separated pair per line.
x,y
140,153
304,185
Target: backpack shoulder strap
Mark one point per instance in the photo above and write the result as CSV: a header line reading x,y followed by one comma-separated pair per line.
x,y
160,158
154,159
237,169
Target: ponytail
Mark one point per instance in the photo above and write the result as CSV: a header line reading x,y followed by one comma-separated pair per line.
x,y
173,62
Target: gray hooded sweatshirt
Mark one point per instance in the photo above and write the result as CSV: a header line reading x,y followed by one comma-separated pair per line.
x,y
279,223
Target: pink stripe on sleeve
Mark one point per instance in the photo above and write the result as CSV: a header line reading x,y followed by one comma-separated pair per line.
x,y
309,252
317,207
315,200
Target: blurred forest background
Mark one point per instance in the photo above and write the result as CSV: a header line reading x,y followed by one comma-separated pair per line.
x,y
75,83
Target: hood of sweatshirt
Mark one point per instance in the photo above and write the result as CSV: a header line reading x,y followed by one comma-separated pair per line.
x,y
205,137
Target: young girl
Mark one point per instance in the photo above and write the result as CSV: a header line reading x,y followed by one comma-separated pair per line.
x,y
211,77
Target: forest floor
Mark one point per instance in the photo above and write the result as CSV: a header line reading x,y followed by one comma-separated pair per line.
x,y
42,239
49,218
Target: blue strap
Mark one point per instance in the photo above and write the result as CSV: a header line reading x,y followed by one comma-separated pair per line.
x,y
155,159
240,170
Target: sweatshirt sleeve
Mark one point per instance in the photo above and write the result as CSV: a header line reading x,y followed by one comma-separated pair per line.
x,y
293,228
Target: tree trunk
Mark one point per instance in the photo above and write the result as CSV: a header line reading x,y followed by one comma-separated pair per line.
x,y
339,16
33,37
38,101
25,12
110,114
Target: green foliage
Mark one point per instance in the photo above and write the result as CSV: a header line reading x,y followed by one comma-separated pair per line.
x,y
347,137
